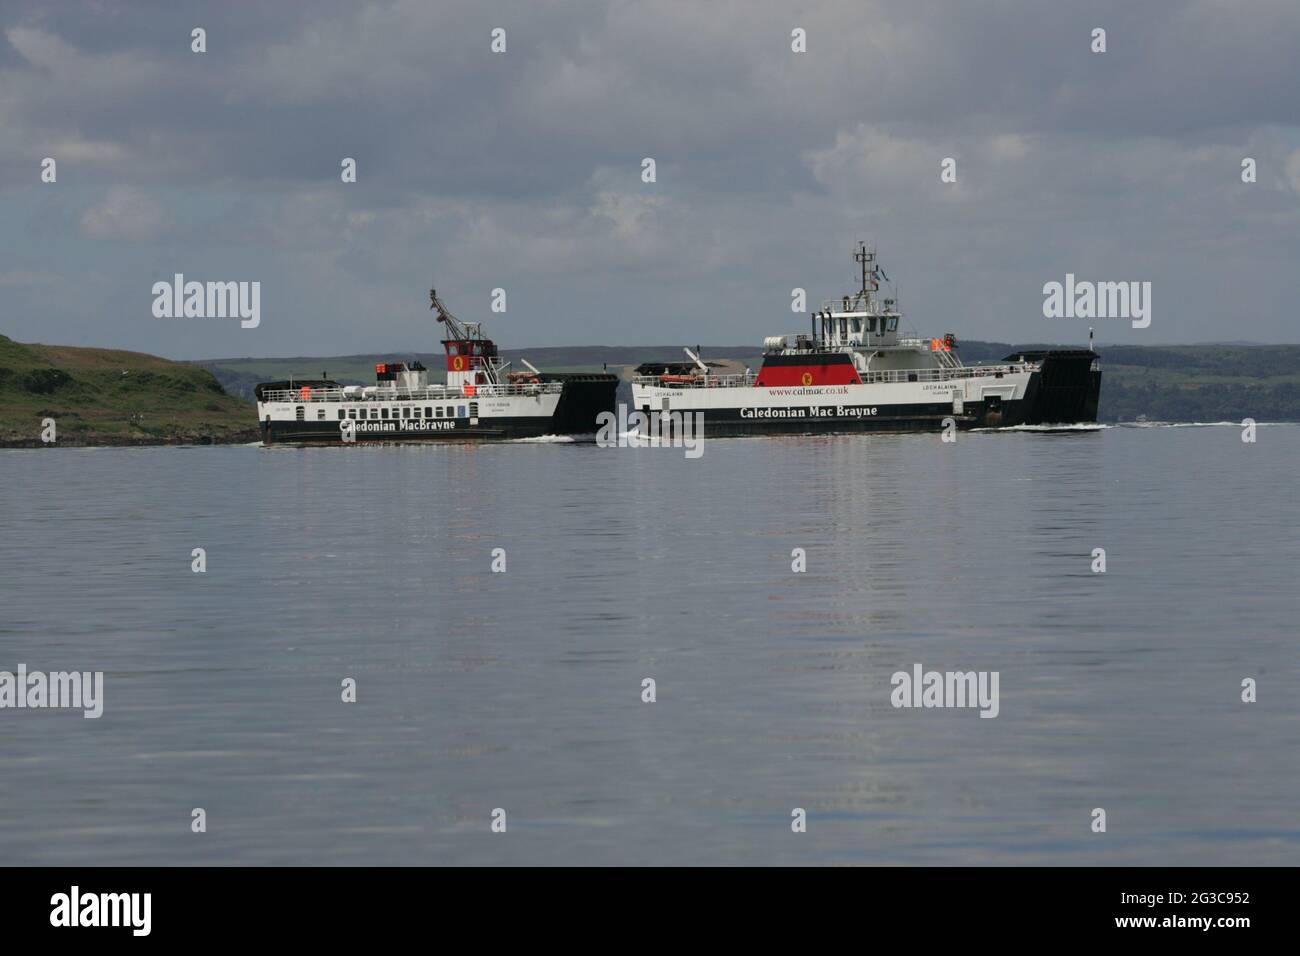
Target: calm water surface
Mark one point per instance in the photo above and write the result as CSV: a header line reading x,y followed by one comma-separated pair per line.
x,y
522,690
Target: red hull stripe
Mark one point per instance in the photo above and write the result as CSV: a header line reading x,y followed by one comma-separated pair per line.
x,y
837,374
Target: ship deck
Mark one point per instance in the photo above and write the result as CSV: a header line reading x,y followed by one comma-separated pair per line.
x,y
958,373
436,393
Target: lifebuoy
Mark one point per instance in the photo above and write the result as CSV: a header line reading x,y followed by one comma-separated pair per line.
x,y
304,393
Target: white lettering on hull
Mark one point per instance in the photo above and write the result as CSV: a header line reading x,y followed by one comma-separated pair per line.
x,y
407,426
838,411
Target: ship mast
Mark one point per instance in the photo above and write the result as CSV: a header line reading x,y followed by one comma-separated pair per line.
x,y
871,273
457,330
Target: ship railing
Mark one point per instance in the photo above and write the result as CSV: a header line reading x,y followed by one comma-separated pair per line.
x,y
434,393
855,306
946,374
711,381
959,373
517,388
804,342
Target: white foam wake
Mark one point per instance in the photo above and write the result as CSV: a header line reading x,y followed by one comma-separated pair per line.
x,y
1192,424
1072,427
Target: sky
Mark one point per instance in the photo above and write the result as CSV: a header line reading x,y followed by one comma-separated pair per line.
x,y
522,170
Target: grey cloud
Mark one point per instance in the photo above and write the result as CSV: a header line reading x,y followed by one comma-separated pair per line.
x,y
522,170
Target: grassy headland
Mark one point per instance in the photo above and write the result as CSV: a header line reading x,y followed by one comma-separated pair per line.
x,y
107,397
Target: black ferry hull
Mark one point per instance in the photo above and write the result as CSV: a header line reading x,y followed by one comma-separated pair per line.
x,y
1066,390
584,398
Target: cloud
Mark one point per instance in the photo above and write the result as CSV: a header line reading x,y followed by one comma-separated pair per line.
x,y
86,151
1292,171
27,278
125,213
522,170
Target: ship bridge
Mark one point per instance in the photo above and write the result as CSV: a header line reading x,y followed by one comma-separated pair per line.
x,y
851,323
864,320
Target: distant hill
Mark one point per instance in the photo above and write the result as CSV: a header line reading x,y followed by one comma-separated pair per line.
x,y
1190,383
1201,383
107,397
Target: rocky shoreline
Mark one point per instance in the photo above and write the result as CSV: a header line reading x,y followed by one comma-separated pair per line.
x,y
116,441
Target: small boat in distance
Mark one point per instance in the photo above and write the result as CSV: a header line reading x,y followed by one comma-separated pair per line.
x,y
481,400
855,371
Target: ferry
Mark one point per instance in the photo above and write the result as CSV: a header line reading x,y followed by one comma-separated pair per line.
x,y
854,370
482,399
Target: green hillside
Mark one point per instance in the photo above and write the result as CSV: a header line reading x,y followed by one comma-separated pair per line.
x,y
107,397
1201,383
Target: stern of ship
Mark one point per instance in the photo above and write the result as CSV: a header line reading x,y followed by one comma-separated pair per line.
x,y
585,396
1064,391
